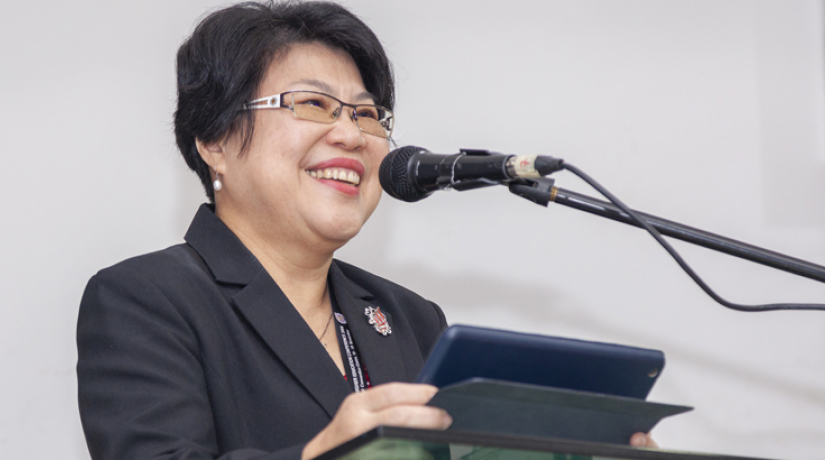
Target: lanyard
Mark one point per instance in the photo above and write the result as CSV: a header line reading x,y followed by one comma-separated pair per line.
x,y
356,371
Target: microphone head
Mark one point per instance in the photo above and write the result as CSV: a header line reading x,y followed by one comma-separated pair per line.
x,y
397,177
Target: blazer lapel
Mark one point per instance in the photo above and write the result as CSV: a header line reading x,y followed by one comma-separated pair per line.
x,y
267,309
380,354
282,328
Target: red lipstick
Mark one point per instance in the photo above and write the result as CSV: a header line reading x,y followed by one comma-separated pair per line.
x,y
340,162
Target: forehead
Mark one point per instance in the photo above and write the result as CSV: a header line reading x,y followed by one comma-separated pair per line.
x,y
316,67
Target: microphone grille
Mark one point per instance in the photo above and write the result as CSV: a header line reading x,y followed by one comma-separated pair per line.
x,y
395,175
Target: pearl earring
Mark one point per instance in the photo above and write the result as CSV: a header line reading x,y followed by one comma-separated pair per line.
x,y
217,185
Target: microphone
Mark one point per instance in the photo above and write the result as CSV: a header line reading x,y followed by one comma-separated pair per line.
x,y
413,173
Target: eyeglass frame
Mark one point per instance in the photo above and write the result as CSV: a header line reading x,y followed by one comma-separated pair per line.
x,y
277,101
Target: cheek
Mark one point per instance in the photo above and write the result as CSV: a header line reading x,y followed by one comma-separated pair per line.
x,y
282,138
377,154
283,158
373,197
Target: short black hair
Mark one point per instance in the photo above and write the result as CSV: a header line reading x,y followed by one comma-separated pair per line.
x,y
221,65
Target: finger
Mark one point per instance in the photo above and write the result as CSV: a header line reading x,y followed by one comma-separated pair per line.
x,y
395,394
423,417
643,440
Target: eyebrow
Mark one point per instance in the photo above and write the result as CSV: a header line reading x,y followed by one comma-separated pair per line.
x,y
325,87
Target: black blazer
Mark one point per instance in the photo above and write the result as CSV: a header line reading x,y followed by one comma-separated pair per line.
x,y
194,352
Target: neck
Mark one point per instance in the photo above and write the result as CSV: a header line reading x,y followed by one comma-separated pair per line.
x,y
299,269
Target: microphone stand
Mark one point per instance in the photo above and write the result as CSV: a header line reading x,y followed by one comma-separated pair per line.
x,y
542,191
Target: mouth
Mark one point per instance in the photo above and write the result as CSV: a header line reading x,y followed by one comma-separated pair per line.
x,y
346,176
342,172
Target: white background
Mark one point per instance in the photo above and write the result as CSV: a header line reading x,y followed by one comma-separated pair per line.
x,y
709,113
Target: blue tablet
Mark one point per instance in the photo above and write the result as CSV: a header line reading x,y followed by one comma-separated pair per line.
x,y
465,352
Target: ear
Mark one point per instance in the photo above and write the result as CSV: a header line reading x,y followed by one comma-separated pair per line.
x,y
213,154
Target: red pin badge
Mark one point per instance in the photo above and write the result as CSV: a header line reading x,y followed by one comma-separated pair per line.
x,y
378,320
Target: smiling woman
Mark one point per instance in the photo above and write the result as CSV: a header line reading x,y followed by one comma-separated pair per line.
x,y
249,340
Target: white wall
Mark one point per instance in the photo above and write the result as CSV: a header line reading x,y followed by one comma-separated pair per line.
x,y
710,113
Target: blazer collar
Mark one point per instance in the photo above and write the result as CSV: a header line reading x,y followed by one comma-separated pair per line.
x,y
225,255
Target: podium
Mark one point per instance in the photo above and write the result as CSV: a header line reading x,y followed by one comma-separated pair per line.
x,y
391,443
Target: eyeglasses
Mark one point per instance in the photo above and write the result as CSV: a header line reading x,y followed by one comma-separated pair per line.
x,y
323,108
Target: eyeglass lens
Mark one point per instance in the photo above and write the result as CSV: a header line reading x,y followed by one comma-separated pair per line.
x,y
324,109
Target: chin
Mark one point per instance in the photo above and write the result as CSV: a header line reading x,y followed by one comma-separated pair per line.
x,y
341,233
344,222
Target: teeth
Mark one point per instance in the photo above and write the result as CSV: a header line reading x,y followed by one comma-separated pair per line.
x,y
343,175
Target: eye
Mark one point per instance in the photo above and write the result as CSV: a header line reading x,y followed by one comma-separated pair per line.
x,y
318,102
367,112
311,100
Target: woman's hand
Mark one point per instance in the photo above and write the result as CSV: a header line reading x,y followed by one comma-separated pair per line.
x,y
643,440
395,404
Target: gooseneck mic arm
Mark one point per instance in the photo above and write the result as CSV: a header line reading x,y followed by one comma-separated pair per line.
x,y
542,191
693,235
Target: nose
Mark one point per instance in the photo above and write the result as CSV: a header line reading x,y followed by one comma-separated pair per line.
x,y
345,131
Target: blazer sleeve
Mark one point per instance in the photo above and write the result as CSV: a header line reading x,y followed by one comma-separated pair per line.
x,y
141,385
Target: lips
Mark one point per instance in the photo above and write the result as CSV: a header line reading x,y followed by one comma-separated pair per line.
x,y
342,170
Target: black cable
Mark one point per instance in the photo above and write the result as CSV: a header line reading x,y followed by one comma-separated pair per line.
x,y
658,237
